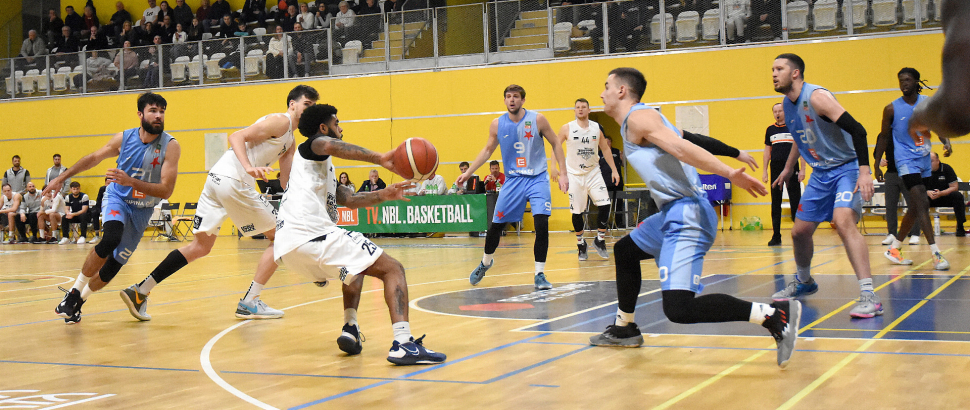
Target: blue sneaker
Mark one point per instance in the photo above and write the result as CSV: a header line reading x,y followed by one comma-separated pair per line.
x,y
795,289
413,352
479,273
541,282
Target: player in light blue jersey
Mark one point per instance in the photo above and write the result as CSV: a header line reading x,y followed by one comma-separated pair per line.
x,y
145,173
913,163
680,235
520,133
829,139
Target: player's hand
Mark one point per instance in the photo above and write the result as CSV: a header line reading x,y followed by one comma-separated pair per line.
x,y
260,172
119,177
23,218
864,185
616,178
883,163
554,175
747,183
461,180
53,186
387,161
947,148
748,159
395,191
801,175
782,178
563,182
878,174
764,176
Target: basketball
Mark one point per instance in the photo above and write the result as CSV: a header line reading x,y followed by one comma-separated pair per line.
x,y
415,159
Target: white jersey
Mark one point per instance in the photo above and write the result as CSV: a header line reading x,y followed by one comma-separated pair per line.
x,y
7,203
263,154
582,148
309,206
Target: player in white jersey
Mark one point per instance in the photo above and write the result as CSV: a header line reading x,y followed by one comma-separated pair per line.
x,y
229,191
584,139
311,243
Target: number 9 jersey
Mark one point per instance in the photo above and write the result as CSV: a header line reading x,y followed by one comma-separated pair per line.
x,y
523,151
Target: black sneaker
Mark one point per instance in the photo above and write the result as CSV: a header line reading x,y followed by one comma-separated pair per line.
x,y
71,302
582,250
413,352
76,317
960,232
600,246
350,339
775,241
783,325
619,336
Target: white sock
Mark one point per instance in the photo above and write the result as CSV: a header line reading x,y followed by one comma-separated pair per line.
x,y
487,260
350,316
86,292
760,312
896,244
804,273
579,238
623,318
601,235
146,285
540,267
934,248
402,332
81,282
253,292
865,285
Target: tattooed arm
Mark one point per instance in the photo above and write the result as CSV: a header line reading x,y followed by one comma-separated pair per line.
x,y
347,197
340,149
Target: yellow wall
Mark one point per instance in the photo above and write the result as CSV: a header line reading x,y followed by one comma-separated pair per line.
x,y
453,108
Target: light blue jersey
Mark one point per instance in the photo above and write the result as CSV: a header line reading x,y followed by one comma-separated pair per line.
x,y
523,152
666,177
906,148
140,161
823,144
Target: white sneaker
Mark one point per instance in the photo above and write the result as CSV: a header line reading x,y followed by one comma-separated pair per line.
x,y
94,240
81,241
914,240
889,240
64,241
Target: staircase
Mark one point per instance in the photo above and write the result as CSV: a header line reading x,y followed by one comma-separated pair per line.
x,y
410,32
531,32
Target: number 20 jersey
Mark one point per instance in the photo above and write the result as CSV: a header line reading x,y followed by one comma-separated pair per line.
x,y
821,143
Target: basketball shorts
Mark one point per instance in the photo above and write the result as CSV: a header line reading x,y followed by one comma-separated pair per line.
x,y
339,254
224,197
585,187
678,237
829,189
919,167
517,191
135,221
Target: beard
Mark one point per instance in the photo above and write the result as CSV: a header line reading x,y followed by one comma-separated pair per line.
x,y
151,128
783,88
514,111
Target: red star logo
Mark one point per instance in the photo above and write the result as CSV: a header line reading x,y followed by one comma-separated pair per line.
x,y
155,162
500,215
799,207
528,135
808,119
114,212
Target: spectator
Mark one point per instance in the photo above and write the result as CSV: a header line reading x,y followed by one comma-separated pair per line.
x,y
435,185
736,13
374,183
894,187
474,184
182,13
150,15
605,168
624,30
255,10
32,48
226,27
150,74
195,30
73,20
279,48
368,7
778,144
218,10
51,206
203,13
30,205
392,5
163,11
126,33
56,170
16,176
117,20
9,206
495,178
96,40
180,46
345,181
306,18
145,34
241,30
166,29
76,212
90,20
99,68
764,11
303,44
128,59
52,26
942,188
323,15
94,214
289,20
344,21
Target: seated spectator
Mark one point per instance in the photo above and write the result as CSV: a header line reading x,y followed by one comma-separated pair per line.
x,y
76,212
289,20
323,15
303,45
73,20
736,13
55,171
306,18
196,30
219,9
52,26
764,11
90,20
495,178
275,54
49,217
126,61
9,208
393,5
625,30
166,30
16,176
66,47
343,180
241,30
473,185
150,74
435,185
182,14
126,33
368,7
180,45
226,27
113,27
344,21
32,48
943,189
99,68
374,183
700,6
150,15
95,40
204,15
255,10
30,205
164,10
145,34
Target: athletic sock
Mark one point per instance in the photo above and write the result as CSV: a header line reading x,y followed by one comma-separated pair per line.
x,y
253,292
804,273
40,234
350,316
487,260
623,318
402,332
866,285
540,267
579,238
171,264
760,312
600,235
146,285
86,292
934,248
81,282
896,244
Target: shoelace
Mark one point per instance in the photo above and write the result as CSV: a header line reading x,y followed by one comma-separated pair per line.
x,y
419,340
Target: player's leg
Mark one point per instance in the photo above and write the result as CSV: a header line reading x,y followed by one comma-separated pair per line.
x,y
917,214
114,229
776,199
814,207
55,222
955,201
252,213
540,197
351,339
509,207
846,214
34,223
577,205
601,198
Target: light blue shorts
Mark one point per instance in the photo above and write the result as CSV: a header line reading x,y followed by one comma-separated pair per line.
x,y
678,237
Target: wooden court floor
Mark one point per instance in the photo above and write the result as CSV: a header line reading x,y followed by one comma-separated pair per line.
x,y
508,347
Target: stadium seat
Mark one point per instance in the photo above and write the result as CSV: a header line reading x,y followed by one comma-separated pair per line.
x,y
351,51
711,24
687,23
909,11
60,78
43,81
655,28
253,58
883,13
178,69
259,32
824,15
936,10
11,85
859,8
27,81
206,36
212,69
78,71
561,33
586,24
195,68
798,17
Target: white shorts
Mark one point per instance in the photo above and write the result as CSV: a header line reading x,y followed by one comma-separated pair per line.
x,y
226,197
339,254
586,186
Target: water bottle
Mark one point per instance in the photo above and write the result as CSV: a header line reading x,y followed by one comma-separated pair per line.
x,y
498,185
936,225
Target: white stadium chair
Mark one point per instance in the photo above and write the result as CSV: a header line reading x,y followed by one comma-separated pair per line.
x,y
43,81
253,57
711,24
655,28
27,81
883,13
859,8
195,68
798,17
212,69
60,78
824,15
560,38
687,23
936,12
178,69
909,11
351,51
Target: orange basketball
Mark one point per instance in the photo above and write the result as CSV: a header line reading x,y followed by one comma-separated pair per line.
x,y
415,159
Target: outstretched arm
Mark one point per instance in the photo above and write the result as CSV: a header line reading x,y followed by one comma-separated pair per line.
x,y
347,197
719,148
163,189
484,155
111,149
344,150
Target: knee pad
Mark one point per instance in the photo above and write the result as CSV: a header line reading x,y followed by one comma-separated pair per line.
x,y
109,270
110,238
541,224
603,217
578,224
676,305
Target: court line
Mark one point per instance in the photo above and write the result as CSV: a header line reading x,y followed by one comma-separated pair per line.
x,y
831,372
773,349
902,331
209,371
98,365
103,396
328,376
40,287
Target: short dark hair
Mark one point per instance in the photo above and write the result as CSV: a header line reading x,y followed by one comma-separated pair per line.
x,y
75,184
464,164
56,156
5,185
314,116
69,7
15,156
911,71
633,78
795,61
302,91
514,88
151,98
582,100
493,162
